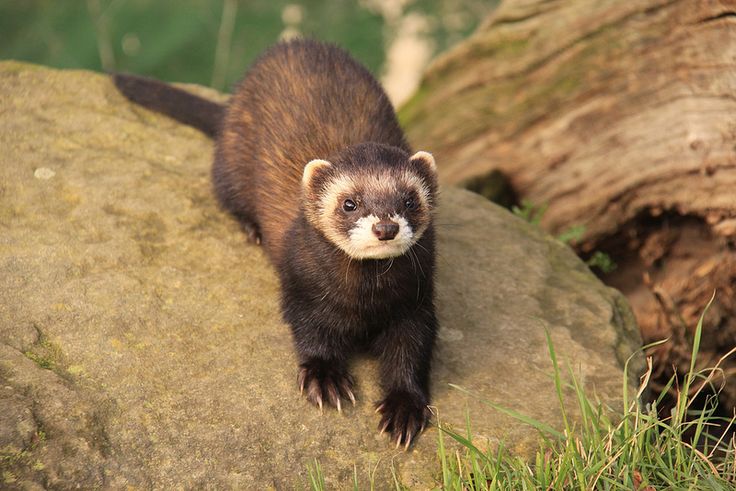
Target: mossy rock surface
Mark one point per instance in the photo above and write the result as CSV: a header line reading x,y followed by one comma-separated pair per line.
x,y
140,337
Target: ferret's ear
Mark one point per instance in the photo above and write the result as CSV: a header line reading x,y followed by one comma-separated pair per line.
x,y
426,159
313,169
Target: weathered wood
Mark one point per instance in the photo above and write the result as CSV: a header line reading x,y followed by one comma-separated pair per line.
x,y
621,116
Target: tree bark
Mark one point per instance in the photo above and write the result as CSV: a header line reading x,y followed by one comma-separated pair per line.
x,y
619,116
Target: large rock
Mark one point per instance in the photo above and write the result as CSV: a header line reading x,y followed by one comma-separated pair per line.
x,y
140,336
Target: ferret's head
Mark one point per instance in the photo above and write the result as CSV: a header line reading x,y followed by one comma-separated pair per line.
x,y
372,201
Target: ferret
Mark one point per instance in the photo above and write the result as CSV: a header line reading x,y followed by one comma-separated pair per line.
x,y
312,162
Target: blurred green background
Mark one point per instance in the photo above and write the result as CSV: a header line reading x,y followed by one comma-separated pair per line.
x,y
213,42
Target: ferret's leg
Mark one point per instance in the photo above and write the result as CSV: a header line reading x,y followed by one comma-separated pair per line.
x,y
323,374
228,189
405,350
321,343
250,228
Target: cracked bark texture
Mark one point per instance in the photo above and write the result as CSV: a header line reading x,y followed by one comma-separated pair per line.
x,y
620,117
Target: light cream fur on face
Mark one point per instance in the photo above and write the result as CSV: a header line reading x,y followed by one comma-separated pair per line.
x,y
361,242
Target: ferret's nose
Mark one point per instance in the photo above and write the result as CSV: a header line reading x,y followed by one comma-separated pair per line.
x,y
386,229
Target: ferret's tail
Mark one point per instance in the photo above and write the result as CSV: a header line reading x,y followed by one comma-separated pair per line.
x,y
179,104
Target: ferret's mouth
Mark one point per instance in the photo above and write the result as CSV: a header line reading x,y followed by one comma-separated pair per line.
x,y
384,250
364,242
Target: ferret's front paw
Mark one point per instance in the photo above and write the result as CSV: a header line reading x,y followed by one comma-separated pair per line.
x,y
404,416
323,383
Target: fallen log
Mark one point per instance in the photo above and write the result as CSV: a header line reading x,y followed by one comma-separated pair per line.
x,y
620,117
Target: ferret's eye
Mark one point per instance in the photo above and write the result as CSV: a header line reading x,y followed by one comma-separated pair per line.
x,y
410,204
349,205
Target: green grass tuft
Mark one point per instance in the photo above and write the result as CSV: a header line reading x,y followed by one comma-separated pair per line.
x,y
530,212
602,261
316,477
637,450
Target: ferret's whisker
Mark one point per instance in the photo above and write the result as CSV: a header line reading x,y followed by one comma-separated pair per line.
x,y
391,263
418,261
411,259
347,269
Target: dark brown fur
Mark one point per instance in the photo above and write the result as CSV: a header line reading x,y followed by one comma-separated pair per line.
x,y
305,100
